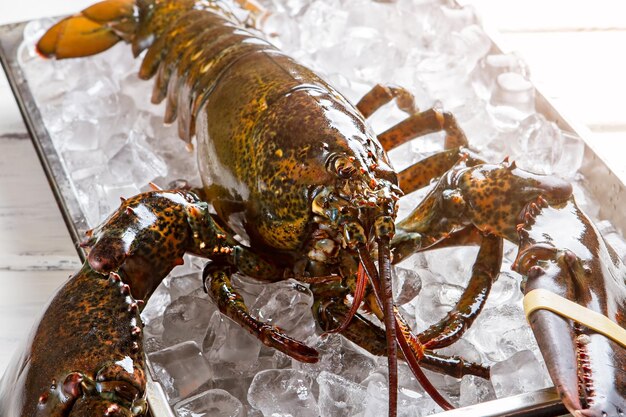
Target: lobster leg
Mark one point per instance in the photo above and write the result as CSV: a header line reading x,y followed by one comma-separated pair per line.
x,y
451,328
231,304
423,123
186,226
417,124
380,95
422,172
329,313
484,272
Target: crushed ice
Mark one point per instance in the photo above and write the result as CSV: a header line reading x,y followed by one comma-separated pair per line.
x,y
113,143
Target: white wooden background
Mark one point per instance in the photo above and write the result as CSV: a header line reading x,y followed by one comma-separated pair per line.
x,y
575,49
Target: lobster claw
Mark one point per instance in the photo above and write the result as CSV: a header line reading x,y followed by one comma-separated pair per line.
x,y
585,356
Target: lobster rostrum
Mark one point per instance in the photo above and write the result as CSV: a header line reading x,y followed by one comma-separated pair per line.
x,y
292,169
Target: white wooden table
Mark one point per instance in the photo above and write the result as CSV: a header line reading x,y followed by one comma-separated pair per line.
x,y
575,54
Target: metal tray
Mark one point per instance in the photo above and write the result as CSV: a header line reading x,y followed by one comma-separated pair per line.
x,y
604,185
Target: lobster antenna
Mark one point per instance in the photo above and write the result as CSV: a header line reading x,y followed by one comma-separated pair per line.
x,y
385,299
384,265
409,355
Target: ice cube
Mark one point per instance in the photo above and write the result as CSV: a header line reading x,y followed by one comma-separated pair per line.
x,y
491,324
85,136
248,287
135,162
84,164
406,284
436,300
506,289
283,392
491,66
96,99
356,362
339,397
138,91
452,265
223,379
411,399
518,374
227,341
181,369
537,145
152,343
517,339
185,284
92,200
512,99
113,191
464,349
329,348
571,159
377,396
327,14
286,304
447,385
187,318
156,304
472,43
475,390
211,403
283,30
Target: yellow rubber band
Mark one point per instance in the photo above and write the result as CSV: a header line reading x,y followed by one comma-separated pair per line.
x,y
541,299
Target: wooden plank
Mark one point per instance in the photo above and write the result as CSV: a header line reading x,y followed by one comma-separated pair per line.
x,y
33,9
36,253
22,300
553,15
11,120
33,232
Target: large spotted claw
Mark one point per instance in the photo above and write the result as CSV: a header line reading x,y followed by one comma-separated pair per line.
x,y
562,253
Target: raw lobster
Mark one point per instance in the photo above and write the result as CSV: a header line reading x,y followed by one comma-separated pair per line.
x,y
290,164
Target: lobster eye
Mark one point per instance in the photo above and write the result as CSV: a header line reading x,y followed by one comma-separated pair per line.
x,y
344,167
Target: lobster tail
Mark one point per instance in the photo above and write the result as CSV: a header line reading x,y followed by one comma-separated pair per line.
x,y
94,30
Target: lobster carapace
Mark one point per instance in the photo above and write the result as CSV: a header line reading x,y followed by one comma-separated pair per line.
x,y
295,184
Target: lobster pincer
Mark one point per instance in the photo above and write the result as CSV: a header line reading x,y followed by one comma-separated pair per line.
x,y
99,373
85,357
564,257
565,263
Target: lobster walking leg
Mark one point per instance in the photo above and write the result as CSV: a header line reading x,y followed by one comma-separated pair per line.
x,y
422,172
380,95
231,304
423,123
484,272
371,337
417,124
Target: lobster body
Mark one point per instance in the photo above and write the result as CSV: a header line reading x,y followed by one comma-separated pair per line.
x,y
266,126
262,161
295,184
